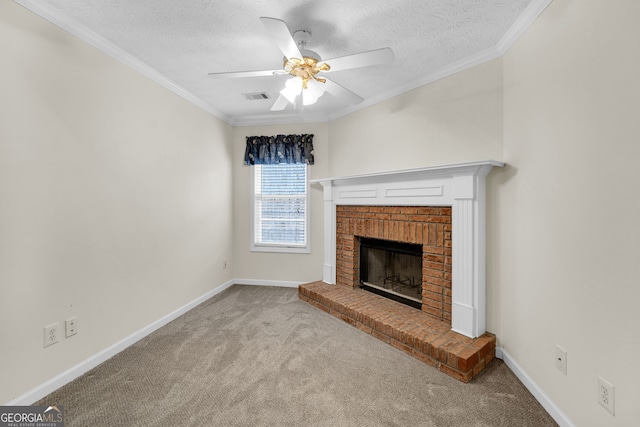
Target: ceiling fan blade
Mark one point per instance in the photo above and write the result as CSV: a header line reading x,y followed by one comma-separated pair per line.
x,y
280,104
281,35
341,92
364,59
241,74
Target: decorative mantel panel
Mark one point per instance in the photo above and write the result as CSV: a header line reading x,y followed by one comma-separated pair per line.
x,y
461,186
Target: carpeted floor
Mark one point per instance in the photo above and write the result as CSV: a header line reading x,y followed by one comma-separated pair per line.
x,y
257,356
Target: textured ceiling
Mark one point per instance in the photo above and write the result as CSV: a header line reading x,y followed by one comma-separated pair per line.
x,y
185,40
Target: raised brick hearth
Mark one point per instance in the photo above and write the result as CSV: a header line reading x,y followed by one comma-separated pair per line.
x,y
441,208
408,329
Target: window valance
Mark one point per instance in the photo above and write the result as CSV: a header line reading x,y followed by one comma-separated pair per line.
x,y
268,150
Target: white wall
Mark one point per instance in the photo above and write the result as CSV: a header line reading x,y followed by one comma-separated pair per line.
x,y
277,267
561,108
115,200
565,267
453,120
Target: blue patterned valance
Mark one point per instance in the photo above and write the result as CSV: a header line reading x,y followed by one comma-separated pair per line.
x,y
269,150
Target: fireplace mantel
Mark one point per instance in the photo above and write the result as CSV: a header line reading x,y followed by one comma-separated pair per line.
x,y
461,186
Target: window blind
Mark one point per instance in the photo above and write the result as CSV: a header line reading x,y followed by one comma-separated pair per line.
x,y
280,205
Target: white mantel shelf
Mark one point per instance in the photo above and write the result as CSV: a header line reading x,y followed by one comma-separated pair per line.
x,y
461,186
413,174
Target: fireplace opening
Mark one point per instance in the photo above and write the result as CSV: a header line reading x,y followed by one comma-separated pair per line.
x,y
392,269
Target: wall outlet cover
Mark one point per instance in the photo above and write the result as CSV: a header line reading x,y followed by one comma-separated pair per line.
x,y
606,395
561,359
71,327
51,334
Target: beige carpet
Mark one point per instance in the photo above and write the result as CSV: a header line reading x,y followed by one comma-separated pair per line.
x,y
257,356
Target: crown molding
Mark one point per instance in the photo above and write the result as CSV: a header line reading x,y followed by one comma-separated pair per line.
x,y
530,14
71,26
535,8
275,119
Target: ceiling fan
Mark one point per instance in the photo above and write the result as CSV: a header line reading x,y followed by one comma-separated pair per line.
x,y
304,66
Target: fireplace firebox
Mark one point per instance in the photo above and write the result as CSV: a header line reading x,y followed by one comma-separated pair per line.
x,y
392,269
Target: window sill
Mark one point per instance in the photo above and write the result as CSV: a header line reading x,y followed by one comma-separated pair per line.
x,y
281,249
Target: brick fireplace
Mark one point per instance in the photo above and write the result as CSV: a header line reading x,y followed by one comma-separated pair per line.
x,y
460,187
423,225
441,208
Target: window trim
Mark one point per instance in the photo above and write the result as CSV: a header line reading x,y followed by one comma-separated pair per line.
x,y
276,247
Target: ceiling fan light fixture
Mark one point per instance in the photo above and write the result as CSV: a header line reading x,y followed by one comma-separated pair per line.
x,y
305,68
308,97
292,88
316,87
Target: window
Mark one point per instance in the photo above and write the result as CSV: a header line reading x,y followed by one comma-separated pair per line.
x,y
280,219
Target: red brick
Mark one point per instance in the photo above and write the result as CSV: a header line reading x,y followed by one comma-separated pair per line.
x,y
432,265
433,296
409,210
432,273
399,217
437,314
467,360
432,289
424,358
436,281
434,304
435,258
393,209
380,336
438,219
464,377
364,328
436,344
400,346
479,367
433,249
402,234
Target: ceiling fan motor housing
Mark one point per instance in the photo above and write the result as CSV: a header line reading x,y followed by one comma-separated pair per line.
x,y
301,37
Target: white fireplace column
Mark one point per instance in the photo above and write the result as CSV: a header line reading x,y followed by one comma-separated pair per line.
x,y
461,186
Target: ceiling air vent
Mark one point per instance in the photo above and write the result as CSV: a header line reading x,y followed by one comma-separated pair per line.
x,y
256,96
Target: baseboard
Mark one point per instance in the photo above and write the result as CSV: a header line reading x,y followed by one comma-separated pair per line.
x,y
70,374
555,412
256,282
74,372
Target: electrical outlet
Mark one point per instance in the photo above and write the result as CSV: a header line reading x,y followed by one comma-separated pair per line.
x,y
561,359
71,326
606,395
51,334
